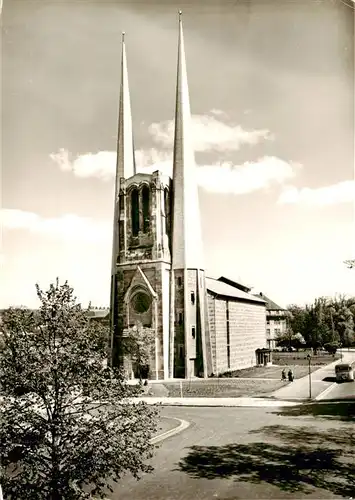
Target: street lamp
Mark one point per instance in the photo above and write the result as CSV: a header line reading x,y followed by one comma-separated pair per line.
x,y
309,375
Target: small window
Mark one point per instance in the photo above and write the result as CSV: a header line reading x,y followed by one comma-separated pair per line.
x,y
193,332
181,351
179,281
227,313
181,318
193,298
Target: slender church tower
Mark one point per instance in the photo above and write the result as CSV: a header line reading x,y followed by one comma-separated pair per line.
x,y
158,282
188,289
125,167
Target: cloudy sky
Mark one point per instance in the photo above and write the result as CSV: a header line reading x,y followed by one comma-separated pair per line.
x,y
272,97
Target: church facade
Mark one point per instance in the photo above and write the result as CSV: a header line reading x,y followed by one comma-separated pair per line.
x,y
198,326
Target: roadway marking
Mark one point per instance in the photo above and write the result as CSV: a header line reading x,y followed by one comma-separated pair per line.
x,y
325,392
184,424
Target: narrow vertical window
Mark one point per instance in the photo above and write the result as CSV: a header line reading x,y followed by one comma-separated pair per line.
x,y
121,234
146,210
193,298
135,212
181,351
167,210
193,331
179,281
181,318
121,203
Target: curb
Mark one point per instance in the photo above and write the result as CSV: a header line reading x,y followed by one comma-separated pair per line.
x,y
181,427
325,392
218,402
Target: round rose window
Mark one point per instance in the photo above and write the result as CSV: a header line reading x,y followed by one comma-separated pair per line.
x,y
140,302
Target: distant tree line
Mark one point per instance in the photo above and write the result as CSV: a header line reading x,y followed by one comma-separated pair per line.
x,y
328,323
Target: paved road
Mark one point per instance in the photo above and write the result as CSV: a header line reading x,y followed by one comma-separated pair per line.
x,y
247,453
341,391
322,380
344,390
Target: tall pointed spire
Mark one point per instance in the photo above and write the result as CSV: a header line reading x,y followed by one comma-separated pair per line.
x,y
125,166
125,162
187,251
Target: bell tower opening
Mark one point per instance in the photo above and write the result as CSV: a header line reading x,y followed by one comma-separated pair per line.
x,y
146,209
135,212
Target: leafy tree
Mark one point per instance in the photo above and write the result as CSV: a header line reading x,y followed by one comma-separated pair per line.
x,y
298,340
290,339
297,319
326,321
67,428
331,347
138,344
344,320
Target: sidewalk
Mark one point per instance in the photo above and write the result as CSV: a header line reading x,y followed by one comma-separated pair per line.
x,y
228,402
299,389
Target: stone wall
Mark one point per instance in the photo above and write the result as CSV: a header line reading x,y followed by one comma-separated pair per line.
x,y
246,333
212,326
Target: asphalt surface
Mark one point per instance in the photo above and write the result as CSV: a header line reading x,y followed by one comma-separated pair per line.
x,y
250,453
344,390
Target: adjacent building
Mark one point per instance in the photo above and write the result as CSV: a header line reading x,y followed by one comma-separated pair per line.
x,y
276,321
201,326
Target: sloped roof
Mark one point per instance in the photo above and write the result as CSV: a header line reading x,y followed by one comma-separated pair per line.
x,y
220,288
235,284
270,304
98,313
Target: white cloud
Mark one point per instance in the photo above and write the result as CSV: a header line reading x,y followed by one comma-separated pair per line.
x,y
218,112
245,178
342,192
68,226
150,160
100,165
209,134
221,177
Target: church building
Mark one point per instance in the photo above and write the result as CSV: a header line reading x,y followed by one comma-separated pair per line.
x,y
200,326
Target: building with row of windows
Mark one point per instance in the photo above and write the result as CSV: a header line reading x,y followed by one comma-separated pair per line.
x,y
276,321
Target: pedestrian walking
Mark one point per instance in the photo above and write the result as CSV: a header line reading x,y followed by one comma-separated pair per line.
x,y
290,375
283,375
